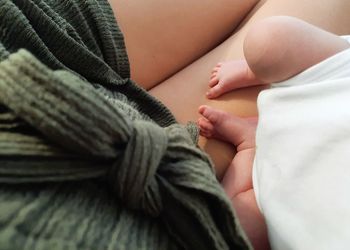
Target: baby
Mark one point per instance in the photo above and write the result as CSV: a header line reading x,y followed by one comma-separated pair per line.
x,y
275,50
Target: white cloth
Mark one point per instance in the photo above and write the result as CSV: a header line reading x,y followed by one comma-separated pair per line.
x,y
301,173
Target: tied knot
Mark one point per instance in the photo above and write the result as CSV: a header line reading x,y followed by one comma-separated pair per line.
x,y
74,115
133,174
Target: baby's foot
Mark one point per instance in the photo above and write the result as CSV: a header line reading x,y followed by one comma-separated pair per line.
x,y
224,126
230,75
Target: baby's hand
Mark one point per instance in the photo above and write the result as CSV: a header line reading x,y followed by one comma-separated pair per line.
x,y
230,75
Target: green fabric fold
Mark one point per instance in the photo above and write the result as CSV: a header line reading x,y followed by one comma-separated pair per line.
x,y
84,152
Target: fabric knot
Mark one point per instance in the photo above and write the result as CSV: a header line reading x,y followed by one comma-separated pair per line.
x,y
133,174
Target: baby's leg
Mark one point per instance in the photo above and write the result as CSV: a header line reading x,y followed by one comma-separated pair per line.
x,y
280,47
275,49
239,132
237,181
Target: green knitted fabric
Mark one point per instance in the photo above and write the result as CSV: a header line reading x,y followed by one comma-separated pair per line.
x,y
88,160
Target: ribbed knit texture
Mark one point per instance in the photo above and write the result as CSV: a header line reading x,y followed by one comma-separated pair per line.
x,y
88,160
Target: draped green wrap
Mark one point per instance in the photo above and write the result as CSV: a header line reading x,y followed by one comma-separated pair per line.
x,y
88,160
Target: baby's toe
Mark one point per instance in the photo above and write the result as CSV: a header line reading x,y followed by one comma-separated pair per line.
x,y
213,75
215,91
205,127
213,81
217,67
219,64
212,115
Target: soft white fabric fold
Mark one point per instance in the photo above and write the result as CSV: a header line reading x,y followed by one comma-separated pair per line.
x,y
301,173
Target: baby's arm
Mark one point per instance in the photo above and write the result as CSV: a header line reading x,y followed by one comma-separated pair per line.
x,y
275,49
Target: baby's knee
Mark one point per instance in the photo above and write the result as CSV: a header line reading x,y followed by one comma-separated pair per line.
x,y
265,46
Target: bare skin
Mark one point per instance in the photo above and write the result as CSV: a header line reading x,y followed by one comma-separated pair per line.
x,y
226,73
237,182
257,69
140,20
191,82
185,61
157,33
275,49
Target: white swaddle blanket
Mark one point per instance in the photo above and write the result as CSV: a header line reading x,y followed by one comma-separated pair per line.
x,y
301,173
